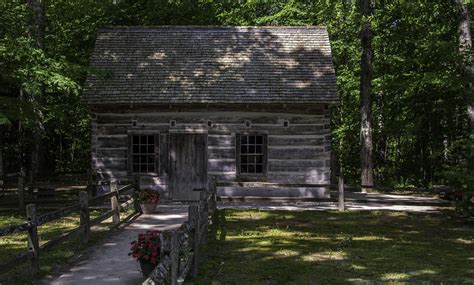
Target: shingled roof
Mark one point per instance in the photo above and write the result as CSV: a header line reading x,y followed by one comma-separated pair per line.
x,y
163,65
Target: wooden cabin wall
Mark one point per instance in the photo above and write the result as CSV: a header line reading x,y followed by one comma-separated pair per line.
x,y
297,154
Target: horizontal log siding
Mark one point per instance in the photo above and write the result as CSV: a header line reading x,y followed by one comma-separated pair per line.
x,y
299,153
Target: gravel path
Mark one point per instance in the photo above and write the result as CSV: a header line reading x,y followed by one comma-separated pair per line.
x,y
109,263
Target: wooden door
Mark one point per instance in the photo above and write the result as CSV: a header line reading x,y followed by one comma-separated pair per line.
x,y
188,165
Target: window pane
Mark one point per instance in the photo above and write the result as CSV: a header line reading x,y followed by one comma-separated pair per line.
x,y
143,153
251,168
251,154
251,139
251,159
151,148
135,149
151,139
251,149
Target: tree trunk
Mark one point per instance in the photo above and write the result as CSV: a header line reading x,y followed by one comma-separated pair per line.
x,y
465,45
2,172
38,26
38,33
366,152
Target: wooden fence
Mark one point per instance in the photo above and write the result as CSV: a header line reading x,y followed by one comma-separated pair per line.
x,y
179,253
84,230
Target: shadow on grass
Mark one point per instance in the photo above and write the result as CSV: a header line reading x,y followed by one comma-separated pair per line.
x,y
331,247
14,245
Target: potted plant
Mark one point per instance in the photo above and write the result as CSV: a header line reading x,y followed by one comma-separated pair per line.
x,y
146,250
148,199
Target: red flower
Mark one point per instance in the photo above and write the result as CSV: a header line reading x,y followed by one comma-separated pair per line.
x,y
146,247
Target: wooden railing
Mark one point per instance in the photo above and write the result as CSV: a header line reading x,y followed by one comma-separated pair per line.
x,y
179,253
84,230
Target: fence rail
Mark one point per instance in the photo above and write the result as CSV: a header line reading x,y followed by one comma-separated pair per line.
x,y
179,252
34,220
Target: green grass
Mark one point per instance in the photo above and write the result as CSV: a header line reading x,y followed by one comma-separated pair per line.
x,y
301,247
13,245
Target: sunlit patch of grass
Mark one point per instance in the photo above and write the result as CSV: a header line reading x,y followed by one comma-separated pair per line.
x,y
464,241
325,256
358,267
337,247
395,276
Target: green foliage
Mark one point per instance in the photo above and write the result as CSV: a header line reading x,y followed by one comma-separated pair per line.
x,y
420,122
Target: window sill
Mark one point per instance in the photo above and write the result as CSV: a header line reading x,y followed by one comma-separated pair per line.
x,y
251,178
144,174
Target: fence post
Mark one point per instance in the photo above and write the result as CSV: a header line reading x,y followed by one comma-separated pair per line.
x,y
204,215
114,202
341,193
136,189
33,243
21,191
174,256
85,216
193,217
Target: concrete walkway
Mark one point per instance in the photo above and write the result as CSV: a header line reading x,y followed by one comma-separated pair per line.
x,y
354,201
109,262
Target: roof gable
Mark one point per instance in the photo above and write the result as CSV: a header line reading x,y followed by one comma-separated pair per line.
x,y
164,65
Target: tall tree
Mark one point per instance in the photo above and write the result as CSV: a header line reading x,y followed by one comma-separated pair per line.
x,y
38,33
465,45
366,151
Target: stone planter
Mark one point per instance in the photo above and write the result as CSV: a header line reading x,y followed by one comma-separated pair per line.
x,y
148,207
147,268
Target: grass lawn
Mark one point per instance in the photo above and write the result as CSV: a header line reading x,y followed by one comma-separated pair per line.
x,y
13,245
301,247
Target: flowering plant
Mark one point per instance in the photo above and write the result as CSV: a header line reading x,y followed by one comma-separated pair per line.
x,y
147,247
148,195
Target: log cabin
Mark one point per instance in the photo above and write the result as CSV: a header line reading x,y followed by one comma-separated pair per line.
x,y
248,106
